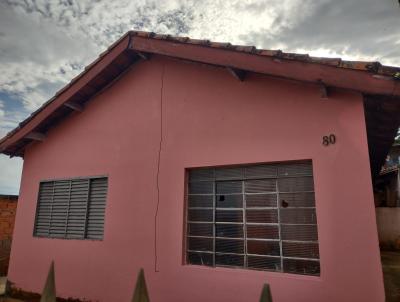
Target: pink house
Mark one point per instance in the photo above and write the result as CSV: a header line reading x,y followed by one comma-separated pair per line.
x,y
215,168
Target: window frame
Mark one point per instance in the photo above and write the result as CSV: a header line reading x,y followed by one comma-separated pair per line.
x,y
315,242
84,237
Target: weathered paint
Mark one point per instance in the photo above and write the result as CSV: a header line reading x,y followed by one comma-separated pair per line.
x,y
209,118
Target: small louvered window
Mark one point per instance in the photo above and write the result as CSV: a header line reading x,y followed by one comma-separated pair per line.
x,y
72,208
255,216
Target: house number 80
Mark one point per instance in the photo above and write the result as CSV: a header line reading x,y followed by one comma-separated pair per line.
x,y
329,139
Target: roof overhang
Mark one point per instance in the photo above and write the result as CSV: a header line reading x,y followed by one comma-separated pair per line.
x,y
379,84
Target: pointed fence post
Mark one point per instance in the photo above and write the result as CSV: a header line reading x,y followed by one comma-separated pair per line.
x,y
266,294
141,294
49,290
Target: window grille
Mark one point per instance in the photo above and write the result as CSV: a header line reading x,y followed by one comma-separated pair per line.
x,y
71,208
255,216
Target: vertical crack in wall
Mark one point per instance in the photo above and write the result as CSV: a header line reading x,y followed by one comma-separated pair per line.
x,y
158,171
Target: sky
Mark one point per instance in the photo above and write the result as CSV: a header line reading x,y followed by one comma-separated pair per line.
x,y
45,43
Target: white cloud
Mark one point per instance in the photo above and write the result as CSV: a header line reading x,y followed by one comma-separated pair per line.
x,y
9,119
10,169
43,44
10,175
358,30
2,113
37,56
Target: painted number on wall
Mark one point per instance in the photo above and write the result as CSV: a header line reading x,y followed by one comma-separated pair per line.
x,y
328,139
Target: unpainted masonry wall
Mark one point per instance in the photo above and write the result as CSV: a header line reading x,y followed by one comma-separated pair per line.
x,y
8,208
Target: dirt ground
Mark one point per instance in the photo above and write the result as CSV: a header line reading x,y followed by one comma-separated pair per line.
x,y
391,272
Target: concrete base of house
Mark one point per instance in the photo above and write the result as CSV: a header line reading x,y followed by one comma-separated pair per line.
x,y
391,272
19,295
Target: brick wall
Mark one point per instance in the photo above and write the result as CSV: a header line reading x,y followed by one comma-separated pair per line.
x,y
8,208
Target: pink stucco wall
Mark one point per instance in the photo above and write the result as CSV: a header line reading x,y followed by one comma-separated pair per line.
x,y
209,118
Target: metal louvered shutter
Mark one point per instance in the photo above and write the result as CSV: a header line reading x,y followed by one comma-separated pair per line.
x,y
72,208
77,208
96,208
255,216
43,212
59,209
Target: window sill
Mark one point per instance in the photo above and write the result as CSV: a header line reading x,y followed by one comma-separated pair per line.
x,y
245,271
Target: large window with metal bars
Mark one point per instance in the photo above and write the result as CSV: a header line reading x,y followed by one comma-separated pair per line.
x,y
71,208
255,216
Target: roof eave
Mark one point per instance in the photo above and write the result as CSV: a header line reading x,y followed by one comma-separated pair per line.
x,y
365,77
63,95
306,69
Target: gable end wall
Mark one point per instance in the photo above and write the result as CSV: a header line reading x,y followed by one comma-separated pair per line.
x,y
208,118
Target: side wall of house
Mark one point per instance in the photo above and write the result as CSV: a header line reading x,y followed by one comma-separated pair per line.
x,y
208,118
